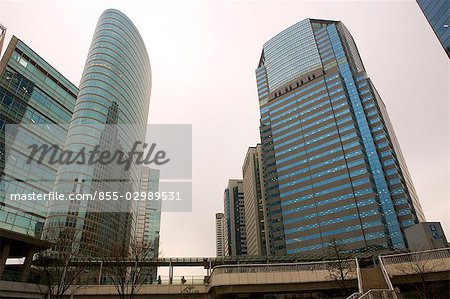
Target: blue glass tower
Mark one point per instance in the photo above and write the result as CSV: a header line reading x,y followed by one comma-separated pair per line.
x,y
437,13
333,166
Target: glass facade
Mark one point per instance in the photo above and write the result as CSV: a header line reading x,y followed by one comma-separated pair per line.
x,y
437,13
31,93
289,54
333,167
235,232
114,91
149,212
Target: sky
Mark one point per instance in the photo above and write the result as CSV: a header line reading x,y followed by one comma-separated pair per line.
x,y
203,57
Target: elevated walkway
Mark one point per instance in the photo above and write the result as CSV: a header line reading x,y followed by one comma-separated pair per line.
x,y
312,279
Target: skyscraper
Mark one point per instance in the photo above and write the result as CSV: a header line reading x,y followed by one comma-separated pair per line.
x,y
220,235
2,37
32,95
149,211
148,223
333,166
437,13
256,221
115,91
235,232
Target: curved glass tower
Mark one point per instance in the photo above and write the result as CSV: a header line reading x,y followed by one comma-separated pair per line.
x,y
333,166
114,93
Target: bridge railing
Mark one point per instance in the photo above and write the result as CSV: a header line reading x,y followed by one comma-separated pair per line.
x,y
282,267
422,262
179,280
379,294
148,280
354,295
410,257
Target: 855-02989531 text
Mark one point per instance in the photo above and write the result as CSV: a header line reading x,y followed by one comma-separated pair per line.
x,y
97,195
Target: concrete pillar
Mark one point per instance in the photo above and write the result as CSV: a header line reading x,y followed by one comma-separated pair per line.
x,y
170,272
4,252
100,273
26,267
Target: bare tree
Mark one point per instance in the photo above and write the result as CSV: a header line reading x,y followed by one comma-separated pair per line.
x,y
124,270
61,267
419,265
340,269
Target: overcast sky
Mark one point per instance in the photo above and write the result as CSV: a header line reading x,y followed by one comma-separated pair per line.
x,y
203,57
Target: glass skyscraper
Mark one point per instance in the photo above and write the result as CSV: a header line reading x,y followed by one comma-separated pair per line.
x,y
33,97
333,166
235,230
437,13
31,93
149,211
114,92
149,218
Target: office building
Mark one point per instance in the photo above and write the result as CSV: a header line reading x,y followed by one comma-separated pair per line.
x,y
437,13
220,235
333,166
114,92
148,223
235,232
426,236
256,221
149,211
32,94
2,37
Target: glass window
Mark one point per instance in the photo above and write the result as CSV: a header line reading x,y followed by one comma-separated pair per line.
x,y
23,62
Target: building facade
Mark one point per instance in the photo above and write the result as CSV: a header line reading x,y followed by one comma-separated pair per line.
x,y
148,222
220,235
437,13
32,94
426,236
256,222
149,211
333,166
114,92
235,232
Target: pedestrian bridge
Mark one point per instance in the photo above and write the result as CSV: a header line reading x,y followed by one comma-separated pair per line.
x,y
228,280
314,278
430,261
280,273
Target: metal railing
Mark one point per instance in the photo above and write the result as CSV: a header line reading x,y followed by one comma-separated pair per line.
x,y
385,273
354,295
282,267
149,280
379,294
358,274
434,254
178,280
